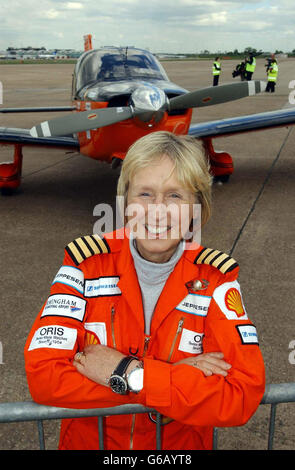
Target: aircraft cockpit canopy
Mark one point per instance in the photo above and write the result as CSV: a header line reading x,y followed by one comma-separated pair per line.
x,y
113,64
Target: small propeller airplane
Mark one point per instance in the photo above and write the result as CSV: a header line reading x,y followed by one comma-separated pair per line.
x,y
121,94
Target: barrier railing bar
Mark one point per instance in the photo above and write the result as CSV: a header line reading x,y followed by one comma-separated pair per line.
x,y
271,431
101,428
158,431
30,411
100,432
279,393
41,434
273,395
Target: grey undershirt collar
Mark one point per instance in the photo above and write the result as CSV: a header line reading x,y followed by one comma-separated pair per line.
x,y
152,278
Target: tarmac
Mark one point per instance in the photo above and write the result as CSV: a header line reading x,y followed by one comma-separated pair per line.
x,y
253,219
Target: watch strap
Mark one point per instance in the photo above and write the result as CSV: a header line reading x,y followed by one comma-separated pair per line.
x,y
123,364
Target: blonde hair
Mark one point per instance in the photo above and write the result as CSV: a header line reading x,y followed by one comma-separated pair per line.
x,y
188,156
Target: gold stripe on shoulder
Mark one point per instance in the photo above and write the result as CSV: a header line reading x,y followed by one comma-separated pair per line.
x,y
74,253
85,247
203,255
104,247
217,259
228,266
212,256
91,244
222,257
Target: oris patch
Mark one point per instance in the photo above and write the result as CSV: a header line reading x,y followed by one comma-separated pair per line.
x,y
54,336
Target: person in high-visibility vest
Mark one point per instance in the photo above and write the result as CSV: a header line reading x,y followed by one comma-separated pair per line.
x,y
272,74
216,69
250,67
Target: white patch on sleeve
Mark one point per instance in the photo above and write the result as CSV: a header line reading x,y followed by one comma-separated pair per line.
x,y
65,305
228,297
191,342
54,336
248,334
70,276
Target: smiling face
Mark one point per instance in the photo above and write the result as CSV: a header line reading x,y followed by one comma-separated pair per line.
x,y
163,209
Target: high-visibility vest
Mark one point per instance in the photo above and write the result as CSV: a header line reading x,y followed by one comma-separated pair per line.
x,y
273,72
216,71
251,67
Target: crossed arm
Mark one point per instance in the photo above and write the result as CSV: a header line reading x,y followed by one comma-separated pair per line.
x,y
98,362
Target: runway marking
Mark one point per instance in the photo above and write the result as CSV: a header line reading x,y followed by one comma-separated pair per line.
x,y
266,179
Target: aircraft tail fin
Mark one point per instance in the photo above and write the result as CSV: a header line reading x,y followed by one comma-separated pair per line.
x,y
87,42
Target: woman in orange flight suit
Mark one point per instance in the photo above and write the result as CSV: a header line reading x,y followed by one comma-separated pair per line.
x,y
142,315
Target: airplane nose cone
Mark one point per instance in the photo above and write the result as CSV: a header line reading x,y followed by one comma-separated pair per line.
x,y
148,98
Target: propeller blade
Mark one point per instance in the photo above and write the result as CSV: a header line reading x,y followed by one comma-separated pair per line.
x,y
81,121
37,110
217,94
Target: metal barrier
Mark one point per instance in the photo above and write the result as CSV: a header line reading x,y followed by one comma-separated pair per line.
x,y
273,395
30,411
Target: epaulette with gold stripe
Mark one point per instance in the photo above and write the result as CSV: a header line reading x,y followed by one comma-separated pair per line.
x,y
216,258
84,247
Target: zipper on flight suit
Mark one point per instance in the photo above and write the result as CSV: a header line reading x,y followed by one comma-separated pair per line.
x,y
178,331
145,348
146,345
113,311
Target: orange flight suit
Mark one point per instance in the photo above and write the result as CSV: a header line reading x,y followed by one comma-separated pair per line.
x,y
96,298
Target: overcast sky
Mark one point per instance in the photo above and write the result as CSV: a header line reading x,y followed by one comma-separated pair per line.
x,y
160,25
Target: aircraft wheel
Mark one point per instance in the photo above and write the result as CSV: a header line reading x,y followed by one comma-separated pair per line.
x,y
221,179
116,163
7,191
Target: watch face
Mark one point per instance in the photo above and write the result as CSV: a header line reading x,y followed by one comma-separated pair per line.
x,y
118,384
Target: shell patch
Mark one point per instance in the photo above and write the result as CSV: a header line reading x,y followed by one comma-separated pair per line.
x,y
228,297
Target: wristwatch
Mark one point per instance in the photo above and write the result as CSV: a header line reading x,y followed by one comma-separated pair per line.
x,y
135,378
117,381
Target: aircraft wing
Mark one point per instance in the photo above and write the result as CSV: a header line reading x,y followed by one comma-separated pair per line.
x,y
238,125
9,135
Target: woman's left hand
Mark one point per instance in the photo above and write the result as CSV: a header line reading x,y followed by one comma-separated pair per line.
x,y
97,362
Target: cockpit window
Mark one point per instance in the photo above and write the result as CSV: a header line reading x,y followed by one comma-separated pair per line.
x,y
111,64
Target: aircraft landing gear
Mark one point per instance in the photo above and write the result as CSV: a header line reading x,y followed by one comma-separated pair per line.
x,y
221,163
221,179
116,163
10,173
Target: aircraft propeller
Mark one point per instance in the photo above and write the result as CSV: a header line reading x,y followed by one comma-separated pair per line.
x,y
146,102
